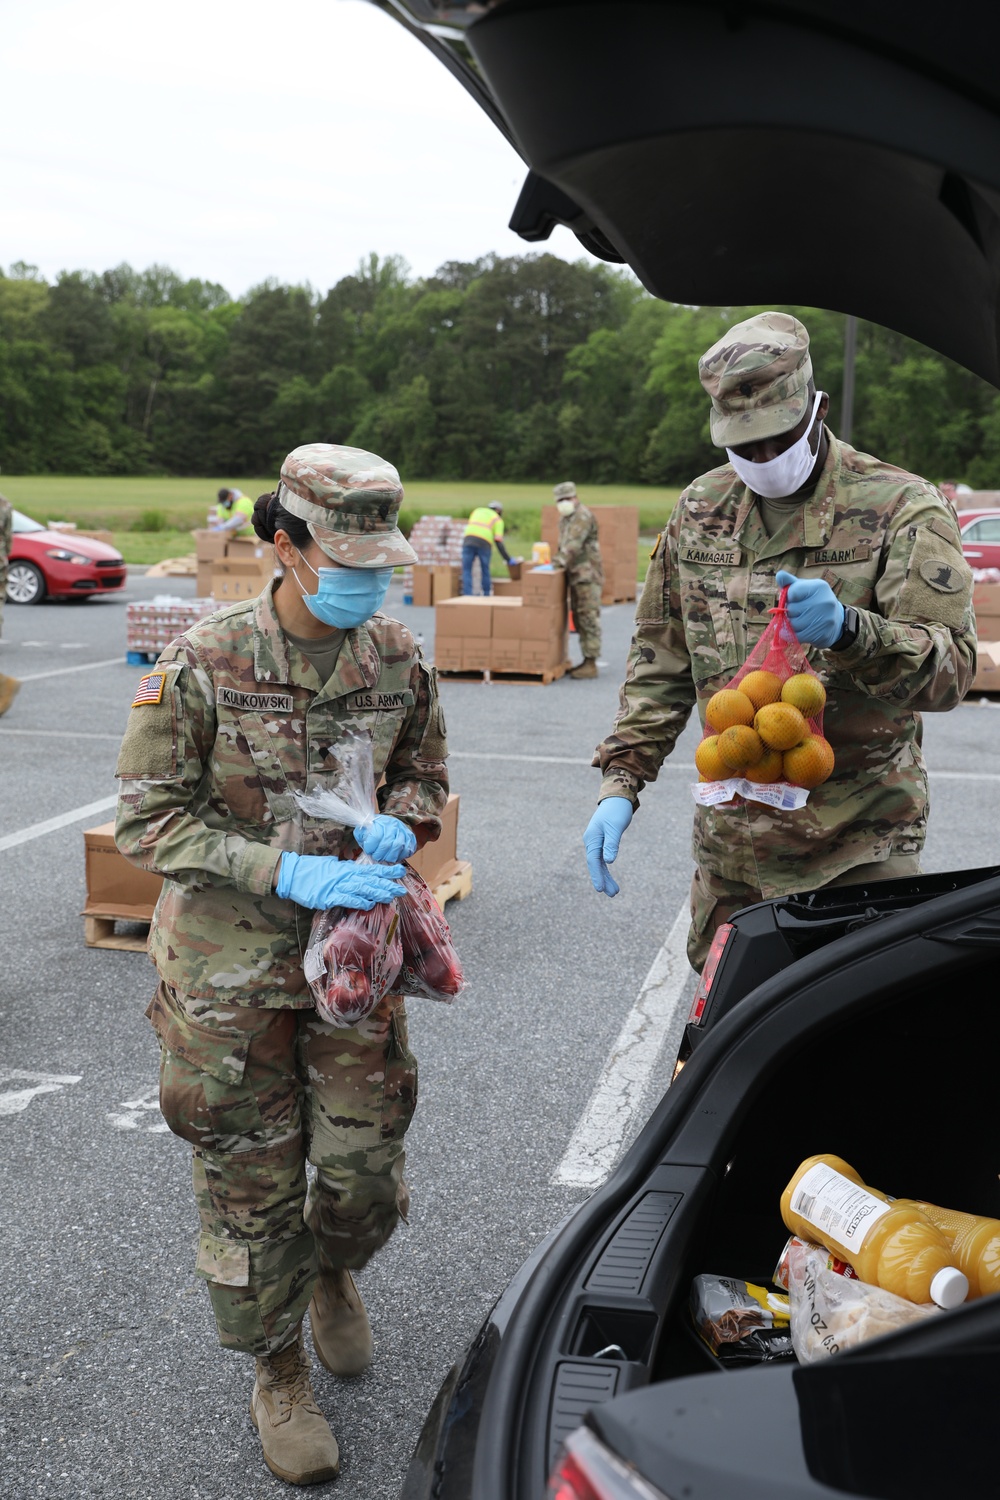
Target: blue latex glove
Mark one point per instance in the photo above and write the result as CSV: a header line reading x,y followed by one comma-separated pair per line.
x,y
815,612
386,838
601,840
319,881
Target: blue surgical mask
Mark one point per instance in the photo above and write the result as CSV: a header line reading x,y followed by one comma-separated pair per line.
x,y
345,597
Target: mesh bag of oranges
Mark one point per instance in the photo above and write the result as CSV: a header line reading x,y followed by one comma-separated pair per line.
x,y
763,735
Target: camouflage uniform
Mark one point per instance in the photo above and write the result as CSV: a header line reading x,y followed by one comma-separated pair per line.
x,y
579,553
886,542
233,722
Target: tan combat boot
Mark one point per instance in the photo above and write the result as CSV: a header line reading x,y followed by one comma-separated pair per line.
x,y
587,668
342,1334
8,692
298,1444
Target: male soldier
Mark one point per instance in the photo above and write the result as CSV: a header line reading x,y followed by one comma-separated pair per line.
x,y
877,587
579,552
234,513
8,685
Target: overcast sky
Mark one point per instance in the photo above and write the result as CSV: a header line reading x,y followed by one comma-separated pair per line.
x,y
235,140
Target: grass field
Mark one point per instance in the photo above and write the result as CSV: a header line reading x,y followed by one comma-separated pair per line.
x,y
152,518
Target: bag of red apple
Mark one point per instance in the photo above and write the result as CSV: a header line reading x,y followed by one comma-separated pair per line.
x,y
353,958
430,964
763,738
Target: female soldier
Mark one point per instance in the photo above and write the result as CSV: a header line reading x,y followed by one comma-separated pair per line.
x,y
242,711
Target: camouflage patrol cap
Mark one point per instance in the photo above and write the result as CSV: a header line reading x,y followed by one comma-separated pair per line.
x,y
757,375
350,501
565,491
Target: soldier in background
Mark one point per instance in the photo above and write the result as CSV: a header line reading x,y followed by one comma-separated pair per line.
x,y
241,711
579,553
8,685
878,588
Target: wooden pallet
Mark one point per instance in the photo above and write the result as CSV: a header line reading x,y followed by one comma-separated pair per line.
x,y
99,932
550,674
457,883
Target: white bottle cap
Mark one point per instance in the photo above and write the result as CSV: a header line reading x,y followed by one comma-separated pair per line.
x,y
949,1287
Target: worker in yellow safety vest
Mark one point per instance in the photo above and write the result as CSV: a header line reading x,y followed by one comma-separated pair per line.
x,y
234,513
484,528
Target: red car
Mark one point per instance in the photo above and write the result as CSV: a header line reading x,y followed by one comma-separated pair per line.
x,y
59,564
980,537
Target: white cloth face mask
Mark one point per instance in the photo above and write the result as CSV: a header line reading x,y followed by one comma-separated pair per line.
x,y
780,476
565,507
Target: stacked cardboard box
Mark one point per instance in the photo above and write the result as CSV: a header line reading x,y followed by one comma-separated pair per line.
x,y
151,624
432,582
116,888
438,862
618,535
242,573
526,634
435,539
986,603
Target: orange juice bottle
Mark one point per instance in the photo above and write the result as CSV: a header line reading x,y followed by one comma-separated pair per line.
x,y
975,1245
891,1245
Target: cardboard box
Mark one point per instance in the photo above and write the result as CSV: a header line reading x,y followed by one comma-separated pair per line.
x,y
446,582
448,653
116,888
544,589
108,537
423,589
476,653
505,655
507,623
464,617
434,860
203,580
237,580
987,679
507,588
538,656
210,546
251,549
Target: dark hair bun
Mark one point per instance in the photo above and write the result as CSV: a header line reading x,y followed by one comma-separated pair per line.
x,y
263,517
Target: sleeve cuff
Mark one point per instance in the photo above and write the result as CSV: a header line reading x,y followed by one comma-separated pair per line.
x,y
255,869
869,642
619,784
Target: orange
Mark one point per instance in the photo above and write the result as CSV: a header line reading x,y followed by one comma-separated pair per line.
x,y
780,725
740,746
761,687
726,707
767,769
709,761
805,692
810,763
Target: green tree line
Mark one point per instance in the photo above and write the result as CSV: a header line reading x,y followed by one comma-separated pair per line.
x,y
503,369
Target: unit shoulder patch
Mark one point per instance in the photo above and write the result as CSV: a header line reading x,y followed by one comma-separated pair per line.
x,y
941,575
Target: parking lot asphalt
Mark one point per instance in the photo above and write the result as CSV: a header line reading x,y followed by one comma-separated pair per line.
x,y
112,1382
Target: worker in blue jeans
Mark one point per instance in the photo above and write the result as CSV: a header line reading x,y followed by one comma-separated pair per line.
x,y
484,529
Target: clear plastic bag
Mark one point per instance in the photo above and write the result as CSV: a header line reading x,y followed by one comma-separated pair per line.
x,y
832,1311
431,967
760,724
353,958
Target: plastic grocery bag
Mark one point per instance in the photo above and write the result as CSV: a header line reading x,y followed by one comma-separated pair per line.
x,y
430,964
353,958
763,738
832,1311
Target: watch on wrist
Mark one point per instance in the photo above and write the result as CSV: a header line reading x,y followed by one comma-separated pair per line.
x,y
849,634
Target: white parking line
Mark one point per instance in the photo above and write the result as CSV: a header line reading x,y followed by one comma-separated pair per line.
x,y
36,830
15,1101
84,666
604,1125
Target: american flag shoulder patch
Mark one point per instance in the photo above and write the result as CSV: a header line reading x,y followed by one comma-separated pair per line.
x,y
150,689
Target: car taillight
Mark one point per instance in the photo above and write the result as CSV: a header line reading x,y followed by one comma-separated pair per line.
x,y
718,948
587,1470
